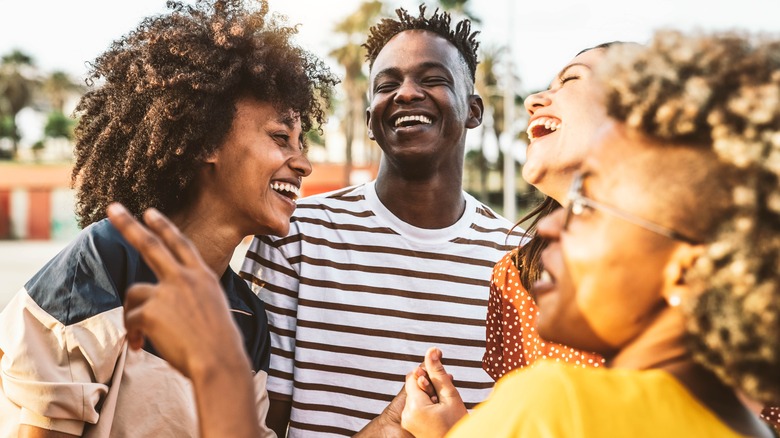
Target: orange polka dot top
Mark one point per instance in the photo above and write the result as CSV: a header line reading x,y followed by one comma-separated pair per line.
x,y
512,341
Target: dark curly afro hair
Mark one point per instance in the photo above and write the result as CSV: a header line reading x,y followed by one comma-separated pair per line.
x,y
462,38
720,94
167,97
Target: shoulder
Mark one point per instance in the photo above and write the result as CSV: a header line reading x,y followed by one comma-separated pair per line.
x,y
486,216
88,277
508,262
550,385
343,195
534,401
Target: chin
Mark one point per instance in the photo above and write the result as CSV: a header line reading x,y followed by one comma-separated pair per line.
x,y
270,228
531,174
280,231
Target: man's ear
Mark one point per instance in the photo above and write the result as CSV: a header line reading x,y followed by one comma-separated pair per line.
x,y
676,288
212,158
368,124
476,109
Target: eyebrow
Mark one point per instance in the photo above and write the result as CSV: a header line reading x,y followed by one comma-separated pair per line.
x,y
287,120
562,73
395,71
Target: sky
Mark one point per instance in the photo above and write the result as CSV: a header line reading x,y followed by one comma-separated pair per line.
x,y
542,36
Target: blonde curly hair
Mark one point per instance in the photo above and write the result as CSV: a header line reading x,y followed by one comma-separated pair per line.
x,y
719,93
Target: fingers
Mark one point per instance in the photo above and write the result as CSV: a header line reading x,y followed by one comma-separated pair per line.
x,y
415,396
135,298
441,380
151,248
174,240
425,383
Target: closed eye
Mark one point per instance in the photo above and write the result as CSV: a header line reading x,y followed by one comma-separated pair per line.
x,y
436,81
385,87
566,79
282,139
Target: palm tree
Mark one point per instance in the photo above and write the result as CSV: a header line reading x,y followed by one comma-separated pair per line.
x,y
459,7
57,86
351,56
487,85
16,89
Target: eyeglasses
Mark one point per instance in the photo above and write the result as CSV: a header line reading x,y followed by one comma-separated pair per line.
x,y
577,203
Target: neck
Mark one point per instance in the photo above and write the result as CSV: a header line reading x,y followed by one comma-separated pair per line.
x,y
432,202
661,343
212,236
661,346
719,398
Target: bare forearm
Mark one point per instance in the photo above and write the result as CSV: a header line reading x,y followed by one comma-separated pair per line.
x,y
279,416
226,413
388,423
380,427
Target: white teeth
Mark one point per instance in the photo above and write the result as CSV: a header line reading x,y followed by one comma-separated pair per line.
x,y
545,276
548,123
285,187
421,119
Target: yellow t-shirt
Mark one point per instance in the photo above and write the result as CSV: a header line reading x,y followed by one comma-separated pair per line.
x,y
556,400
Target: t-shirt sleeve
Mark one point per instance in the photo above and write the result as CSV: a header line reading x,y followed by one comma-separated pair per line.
x,y
60,338
272,277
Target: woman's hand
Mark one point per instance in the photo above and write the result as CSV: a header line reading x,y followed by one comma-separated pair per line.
x,y
422,416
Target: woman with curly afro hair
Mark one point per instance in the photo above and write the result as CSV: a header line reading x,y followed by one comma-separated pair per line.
x,y
199,113
664,260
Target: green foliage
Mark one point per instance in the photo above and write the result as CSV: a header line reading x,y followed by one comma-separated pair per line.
x,y
59,125
8,128
459,7
17,57
313,137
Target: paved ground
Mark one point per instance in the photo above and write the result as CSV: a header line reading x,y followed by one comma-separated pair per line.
x,y
19,260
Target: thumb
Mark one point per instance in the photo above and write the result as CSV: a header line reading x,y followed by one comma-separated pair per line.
x,y
442,381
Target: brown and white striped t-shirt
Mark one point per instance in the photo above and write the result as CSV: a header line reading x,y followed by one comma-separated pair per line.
x,y
355,296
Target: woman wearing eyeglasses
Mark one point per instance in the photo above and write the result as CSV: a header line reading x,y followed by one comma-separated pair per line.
x,y
561,119
664,260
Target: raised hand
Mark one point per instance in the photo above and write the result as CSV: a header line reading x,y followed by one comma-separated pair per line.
x,y
422,416
185,314
186,317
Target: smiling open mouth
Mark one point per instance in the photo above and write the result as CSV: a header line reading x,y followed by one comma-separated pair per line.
x,y
286,189
405,121
541,127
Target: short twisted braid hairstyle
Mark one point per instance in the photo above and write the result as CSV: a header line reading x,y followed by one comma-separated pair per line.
x,y
439,23
718,94
167,100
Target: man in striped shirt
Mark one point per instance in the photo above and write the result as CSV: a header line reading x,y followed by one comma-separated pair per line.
x,y
371,276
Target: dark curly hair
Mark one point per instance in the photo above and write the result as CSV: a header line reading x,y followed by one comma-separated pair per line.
x,y
167,100
462,37
718,94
